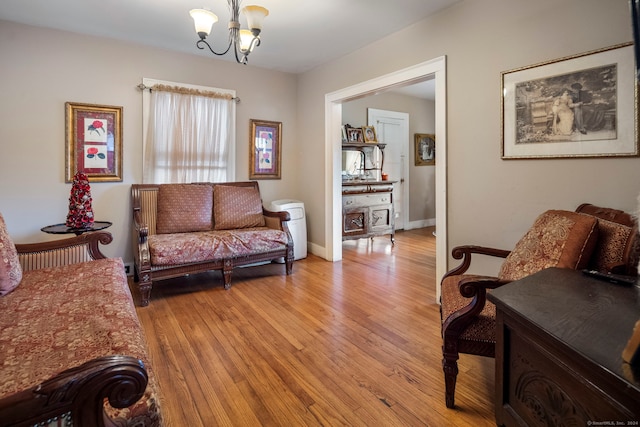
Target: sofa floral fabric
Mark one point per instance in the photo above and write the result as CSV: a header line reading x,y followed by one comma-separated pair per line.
x,y
557,239
183,208
185,248
10,270
236,207
62,317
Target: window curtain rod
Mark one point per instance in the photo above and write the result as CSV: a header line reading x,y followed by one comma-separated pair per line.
x,y
187,91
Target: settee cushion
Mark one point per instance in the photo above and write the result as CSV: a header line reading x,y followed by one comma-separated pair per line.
x,y
183,208
613,248
237,207
187,248
557,238
10,269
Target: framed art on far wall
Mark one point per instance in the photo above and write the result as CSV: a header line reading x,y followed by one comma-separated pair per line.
x,y
425,149
94,142
265,147
579,106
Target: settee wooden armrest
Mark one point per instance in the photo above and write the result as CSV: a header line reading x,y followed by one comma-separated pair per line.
x,y
71,250
77,395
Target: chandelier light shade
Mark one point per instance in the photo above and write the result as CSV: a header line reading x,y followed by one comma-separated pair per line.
x,y
242,41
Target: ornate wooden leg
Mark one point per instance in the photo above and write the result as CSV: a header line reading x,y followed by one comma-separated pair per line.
x,y
227,268
145,290
450,368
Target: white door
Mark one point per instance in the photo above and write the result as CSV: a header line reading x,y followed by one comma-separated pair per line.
x,y
392,128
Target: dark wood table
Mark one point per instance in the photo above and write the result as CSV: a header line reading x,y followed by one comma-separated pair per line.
x,y
560,336
63,229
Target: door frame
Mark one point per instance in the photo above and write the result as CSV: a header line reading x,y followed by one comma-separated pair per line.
x,y
435,68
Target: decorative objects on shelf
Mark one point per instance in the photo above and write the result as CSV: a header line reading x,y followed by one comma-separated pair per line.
x,y
94,141
242,40
80,210
369,134
425,149
265,148
578,106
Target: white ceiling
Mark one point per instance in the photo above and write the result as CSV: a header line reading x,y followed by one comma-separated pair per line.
x,y
297,36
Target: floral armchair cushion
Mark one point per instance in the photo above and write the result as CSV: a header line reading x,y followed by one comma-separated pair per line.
x,y
10,269
614,247
557,239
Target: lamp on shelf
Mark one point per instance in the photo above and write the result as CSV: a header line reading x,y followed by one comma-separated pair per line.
x,y
242,40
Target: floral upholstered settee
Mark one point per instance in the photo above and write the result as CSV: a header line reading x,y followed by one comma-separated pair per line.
x,y
179,229
72,350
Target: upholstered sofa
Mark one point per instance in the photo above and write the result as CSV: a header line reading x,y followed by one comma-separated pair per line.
x,y
72,350
180,229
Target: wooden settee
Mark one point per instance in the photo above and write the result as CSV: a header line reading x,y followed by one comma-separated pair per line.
x,y
72,350
180,229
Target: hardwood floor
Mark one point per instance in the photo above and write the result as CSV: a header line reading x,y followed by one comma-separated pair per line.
x,y
351,343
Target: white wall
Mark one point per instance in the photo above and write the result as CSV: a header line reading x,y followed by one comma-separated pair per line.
x,y
42,69
491,201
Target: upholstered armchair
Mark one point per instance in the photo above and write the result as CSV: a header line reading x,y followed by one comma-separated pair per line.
x,y
592,237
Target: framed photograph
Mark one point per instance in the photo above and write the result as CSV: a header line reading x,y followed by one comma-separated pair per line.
x,y
265,148
354,135
369,134
94,142
425,149
580,106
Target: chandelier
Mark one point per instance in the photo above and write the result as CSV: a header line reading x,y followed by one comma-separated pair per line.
x,y
243,41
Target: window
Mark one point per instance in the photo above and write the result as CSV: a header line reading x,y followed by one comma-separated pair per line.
x,y
189,133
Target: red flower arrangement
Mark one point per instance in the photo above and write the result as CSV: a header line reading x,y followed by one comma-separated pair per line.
x,y
80,211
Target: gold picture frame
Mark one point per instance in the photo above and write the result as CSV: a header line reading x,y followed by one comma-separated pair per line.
x,y
425,149
93,142
265,148
369,134
583,105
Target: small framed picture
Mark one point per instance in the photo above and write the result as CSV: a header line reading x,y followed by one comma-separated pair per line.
x,y
354,135
425,149
369,134
94,142
265,149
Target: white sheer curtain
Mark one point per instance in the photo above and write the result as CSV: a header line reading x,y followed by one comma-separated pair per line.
x,y
189,136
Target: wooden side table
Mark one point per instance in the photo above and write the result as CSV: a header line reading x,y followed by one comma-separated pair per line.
x,y
63,229
559,342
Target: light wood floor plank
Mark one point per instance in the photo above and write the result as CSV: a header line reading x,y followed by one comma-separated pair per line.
x,y
350,343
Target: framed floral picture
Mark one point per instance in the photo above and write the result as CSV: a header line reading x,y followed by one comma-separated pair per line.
x,y
578,106
265,149
94,142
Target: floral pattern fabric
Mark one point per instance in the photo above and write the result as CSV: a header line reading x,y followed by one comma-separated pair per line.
x,y
10,270
557,239
611,251
187,248
62,317
183,208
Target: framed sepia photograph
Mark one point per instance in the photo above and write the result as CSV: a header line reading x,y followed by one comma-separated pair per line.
x,y
425,149
354,135
265,148
579,106
369,134
94,142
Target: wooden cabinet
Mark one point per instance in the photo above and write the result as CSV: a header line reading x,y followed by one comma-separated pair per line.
x,y
559,342
367,209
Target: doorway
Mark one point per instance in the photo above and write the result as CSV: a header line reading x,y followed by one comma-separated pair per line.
x,y
436,69
392,127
